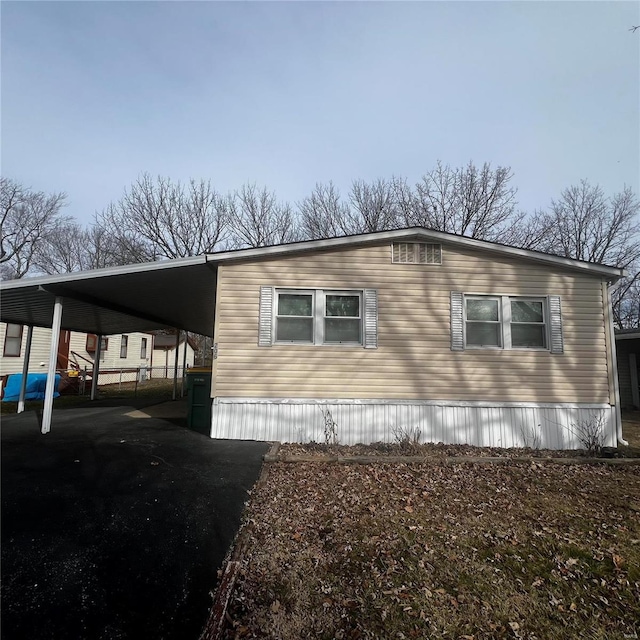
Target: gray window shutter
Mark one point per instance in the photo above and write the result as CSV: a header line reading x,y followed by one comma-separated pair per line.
x,y
457,323
371,318
555,316
265,330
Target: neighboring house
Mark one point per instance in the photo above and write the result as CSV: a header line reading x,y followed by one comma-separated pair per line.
x,y
164,354
76,350
628,357
412,332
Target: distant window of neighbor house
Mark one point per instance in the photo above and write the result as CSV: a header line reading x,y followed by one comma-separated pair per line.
x,y
13,341
92,341
416,253
143,349
124,343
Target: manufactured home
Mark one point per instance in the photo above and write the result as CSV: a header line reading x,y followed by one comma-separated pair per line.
x,y
401,332
76,351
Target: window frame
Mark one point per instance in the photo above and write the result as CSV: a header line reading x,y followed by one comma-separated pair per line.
x,y
143,348
505,321
124,346
17,338
360,317
499,322
318,316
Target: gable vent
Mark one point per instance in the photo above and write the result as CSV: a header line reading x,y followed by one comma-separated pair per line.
x,y
416,253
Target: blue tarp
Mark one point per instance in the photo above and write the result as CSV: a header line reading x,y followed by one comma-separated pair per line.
x,y
36,383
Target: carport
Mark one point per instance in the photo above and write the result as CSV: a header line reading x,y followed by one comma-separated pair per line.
x,y
172,294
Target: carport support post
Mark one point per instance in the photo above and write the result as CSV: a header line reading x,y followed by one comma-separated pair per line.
x,y
184,364
47,412
96,367
25,370
175,366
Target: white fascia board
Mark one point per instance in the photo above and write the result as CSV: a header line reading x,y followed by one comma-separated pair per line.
x,y
140,267
418,233
628,336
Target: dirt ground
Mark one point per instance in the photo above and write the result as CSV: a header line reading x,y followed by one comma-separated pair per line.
x,y
469,551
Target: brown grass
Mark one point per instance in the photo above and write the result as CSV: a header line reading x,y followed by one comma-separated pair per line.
x,y
519,550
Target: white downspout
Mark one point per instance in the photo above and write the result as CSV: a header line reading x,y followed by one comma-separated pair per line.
x,y
51,373
25,370
614,365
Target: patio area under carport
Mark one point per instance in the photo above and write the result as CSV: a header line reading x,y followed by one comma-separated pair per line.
x,y
115,523
172,294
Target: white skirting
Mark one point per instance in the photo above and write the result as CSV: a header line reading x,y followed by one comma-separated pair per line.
x,y
545,426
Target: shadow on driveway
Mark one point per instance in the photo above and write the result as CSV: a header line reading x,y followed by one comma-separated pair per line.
x,y
114,526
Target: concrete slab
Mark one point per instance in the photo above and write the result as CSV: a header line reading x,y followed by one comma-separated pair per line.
x,y
114,527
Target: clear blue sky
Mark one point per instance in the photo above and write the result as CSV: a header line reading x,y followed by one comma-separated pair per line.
x,y
287,94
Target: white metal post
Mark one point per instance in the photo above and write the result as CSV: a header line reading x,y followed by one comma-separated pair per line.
x,y
96,368
175,366
51,373
184,363
25,370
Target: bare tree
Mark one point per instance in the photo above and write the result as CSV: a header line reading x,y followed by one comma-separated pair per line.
x,y
323,214
26,218
164,219
257,219
468,201
373,206
586,225
70,247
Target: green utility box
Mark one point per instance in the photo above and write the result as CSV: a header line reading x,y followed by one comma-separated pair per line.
x,y
199,399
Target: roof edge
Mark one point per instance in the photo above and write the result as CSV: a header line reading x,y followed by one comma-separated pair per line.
x,y
139,267
613,273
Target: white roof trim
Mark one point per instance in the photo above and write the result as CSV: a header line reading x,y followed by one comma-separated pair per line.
x,y
419,233
628,336
100,273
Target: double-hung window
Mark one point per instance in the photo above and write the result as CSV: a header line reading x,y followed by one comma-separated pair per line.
x,y
13,341
124,345
318,316
295,316
505,322
483,322
342,317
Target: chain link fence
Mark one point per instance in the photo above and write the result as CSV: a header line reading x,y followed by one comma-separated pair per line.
x,y
126,382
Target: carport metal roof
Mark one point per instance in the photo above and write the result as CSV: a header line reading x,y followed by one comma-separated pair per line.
x,y
169,294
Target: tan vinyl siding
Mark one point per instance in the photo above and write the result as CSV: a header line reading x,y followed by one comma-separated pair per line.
x,y
413,359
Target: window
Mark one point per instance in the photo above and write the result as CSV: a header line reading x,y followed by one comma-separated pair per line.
x,y
124,343
143,349
483,322
506,322
318,316
342,318
13,340
528,324
416,253
294,317
92,341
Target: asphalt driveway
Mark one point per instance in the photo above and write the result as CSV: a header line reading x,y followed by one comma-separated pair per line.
x,y
114,525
